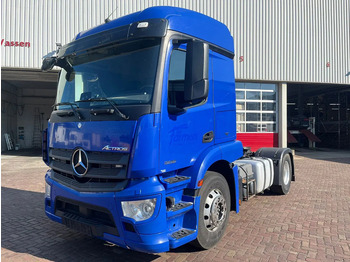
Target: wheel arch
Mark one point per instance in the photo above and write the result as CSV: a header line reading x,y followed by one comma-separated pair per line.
x,y
224,168
218,158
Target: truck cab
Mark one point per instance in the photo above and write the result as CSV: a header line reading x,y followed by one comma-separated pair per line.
x,y
141,143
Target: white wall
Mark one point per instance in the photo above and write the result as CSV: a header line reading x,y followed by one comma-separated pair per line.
x,y
278,40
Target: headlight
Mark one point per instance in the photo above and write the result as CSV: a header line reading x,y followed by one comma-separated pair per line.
x,y
139,210
47,190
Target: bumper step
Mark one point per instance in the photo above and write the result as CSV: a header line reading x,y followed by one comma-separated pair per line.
x,y
183,232
181,237
179,208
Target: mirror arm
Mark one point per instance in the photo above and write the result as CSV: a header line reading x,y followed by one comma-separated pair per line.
x,y
174,110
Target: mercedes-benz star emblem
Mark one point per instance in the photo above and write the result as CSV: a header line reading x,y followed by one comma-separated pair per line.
x,y
80,162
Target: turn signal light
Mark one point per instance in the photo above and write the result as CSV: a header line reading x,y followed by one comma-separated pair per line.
x,y
200,183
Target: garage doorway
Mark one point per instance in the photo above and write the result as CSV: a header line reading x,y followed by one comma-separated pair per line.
x,y
27,97
322,109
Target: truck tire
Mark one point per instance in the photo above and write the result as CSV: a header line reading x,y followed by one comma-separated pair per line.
x,y
214,210
285,178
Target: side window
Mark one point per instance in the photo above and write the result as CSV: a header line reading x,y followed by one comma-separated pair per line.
x,y
195,86
176,78
177,65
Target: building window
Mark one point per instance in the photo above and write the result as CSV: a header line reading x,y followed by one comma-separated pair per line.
x,y
256,108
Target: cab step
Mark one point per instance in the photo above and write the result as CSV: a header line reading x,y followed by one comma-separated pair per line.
x,y
178,209
176,181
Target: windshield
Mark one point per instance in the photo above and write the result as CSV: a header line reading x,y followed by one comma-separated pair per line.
x,y
124,73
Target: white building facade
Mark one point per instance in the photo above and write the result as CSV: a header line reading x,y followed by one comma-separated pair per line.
x,y
292,57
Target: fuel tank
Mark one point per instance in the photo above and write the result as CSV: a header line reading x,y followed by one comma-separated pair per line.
x,y
263,171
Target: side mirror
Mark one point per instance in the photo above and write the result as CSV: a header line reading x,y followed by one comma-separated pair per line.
x,y
48,63
196,74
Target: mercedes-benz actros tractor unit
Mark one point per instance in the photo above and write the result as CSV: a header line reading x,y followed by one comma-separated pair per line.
x,y
141,142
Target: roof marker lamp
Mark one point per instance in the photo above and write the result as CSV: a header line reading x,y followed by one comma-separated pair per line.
x,y
139,210
142,25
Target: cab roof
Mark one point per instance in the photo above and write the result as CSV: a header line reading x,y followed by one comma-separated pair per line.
x,y
180,20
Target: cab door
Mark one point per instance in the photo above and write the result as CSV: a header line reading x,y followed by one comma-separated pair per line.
x,y
187,128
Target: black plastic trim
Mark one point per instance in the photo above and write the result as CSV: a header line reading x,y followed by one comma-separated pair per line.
x,y
208,137
212,47
85,218
156,28
129,227
191,192
102,165
112,186
134,112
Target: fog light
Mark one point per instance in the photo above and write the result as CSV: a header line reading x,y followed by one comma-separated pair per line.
x,y
139,210
47,190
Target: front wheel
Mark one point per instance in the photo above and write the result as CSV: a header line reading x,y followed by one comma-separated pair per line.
x,y
214,210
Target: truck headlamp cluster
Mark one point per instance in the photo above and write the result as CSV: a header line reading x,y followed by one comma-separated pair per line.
x,y
139,210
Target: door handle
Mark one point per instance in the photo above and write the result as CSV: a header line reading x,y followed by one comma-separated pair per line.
x,y
208,137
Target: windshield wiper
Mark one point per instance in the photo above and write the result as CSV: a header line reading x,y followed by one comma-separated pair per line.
x,y
75,111
111,102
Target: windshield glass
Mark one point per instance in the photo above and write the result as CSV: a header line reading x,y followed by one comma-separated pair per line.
x,y
124,73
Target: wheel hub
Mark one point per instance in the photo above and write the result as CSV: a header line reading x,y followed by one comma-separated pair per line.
x,y
214,210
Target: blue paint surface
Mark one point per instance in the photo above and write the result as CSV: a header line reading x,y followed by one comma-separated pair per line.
x,y
91,136
160,145
181,20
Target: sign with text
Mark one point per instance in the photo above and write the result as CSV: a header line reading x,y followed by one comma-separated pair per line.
x,y
14,43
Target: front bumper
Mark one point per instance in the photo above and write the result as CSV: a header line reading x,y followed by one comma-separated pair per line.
x,y
150,236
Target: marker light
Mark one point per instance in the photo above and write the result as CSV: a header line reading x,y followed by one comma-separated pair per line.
x,y
142,25
47,190
139,210
200,183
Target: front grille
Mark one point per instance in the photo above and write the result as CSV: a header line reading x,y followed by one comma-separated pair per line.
x,y
107,171
93,185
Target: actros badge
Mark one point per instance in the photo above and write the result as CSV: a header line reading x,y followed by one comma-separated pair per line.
x,y
80,162
115,148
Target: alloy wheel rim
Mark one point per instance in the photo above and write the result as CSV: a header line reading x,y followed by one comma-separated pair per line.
x,y
215,209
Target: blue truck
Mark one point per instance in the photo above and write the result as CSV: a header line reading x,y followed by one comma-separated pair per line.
x,y
141,142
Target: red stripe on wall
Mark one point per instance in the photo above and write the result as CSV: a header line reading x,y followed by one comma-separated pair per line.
x,y
257,140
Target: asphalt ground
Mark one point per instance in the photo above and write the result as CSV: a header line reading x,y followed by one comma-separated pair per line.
x,y
311,223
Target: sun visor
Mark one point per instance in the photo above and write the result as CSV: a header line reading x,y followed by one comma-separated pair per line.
x,y
148,28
